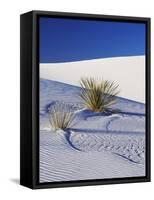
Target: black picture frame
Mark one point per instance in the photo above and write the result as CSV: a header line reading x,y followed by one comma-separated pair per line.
x,y
29,99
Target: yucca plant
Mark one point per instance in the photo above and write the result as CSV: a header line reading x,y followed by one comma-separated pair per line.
x,y
60,117
98,95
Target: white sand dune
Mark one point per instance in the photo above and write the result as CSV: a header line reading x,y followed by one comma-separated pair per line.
x,y
61,162
98,146
128,72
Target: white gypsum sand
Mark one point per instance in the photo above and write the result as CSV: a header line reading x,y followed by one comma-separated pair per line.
x,y
128,72
61,162
98,146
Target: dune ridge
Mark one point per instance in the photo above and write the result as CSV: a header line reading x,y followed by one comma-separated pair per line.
x,y
128,72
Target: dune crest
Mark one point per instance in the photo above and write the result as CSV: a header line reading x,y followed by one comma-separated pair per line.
x,y
128,72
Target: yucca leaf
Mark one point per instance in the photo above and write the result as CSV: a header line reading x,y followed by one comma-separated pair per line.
x,y
98,95
60,117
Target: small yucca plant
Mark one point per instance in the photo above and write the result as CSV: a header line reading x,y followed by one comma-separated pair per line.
x,y
60,117
97,95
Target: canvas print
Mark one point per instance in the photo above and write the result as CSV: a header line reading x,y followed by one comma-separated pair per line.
x,y
92,99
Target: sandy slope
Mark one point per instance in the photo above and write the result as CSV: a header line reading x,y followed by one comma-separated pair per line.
x,y
128,72
97,146
61,162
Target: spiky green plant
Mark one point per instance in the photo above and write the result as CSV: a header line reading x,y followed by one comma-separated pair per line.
x,y
98,95
60,117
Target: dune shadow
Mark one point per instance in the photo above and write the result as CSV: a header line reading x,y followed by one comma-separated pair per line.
x,y
84,130
67,136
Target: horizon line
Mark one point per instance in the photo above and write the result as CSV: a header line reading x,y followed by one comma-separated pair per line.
x,y
92,59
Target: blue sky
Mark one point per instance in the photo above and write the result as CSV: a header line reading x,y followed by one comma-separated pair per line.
x,y
66,40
